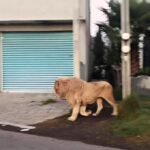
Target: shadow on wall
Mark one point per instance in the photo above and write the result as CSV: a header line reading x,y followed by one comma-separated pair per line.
x,y
141,85
82,71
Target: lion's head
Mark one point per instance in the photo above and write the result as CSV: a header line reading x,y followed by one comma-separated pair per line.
x,y
61,87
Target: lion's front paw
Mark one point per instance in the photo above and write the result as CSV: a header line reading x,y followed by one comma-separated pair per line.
x,y
71,118
89,112
94,114
114,114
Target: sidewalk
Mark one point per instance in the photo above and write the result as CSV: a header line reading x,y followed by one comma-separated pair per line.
x,y
27,109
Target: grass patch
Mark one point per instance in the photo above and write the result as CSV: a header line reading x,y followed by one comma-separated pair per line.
x,y
49,101
133,119
129,107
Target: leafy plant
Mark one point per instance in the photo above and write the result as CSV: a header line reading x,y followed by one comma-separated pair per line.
x,y
49,101
129,107
107,45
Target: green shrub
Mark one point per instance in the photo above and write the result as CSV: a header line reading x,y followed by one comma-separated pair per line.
x,y
129,107
145,71
133,119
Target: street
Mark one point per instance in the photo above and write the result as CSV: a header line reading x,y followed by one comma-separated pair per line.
x,y
20,141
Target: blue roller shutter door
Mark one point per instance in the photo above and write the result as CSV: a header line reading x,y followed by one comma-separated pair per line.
x,y
33,60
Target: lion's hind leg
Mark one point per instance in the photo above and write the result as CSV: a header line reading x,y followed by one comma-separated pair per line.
x,y
83,111
112,102
99,107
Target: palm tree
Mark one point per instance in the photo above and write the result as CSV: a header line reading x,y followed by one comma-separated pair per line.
x,y
139,20
107,43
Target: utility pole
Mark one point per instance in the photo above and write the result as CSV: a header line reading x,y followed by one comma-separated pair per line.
x,y
125,49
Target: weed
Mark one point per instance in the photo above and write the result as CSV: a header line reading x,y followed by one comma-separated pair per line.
x,y
49,101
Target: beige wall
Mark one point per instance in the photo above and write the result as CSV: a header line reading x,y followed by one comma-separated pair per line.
x,y
81,31
40,9
53,10
13,28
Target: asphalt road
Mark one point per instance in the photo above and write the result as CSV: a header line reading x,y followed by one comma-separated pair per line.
x,y
19,141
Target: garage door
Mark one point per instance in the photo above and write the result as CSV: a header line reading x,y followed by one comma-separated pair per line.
x,y
33,60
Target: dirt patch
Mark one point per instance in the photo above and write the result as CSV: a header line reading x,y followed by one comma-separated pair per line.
x,y
91,130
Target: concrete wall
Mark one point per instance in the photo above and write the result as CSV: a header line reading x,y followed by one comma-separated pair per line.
x,y
40,9
36,27
81,41
52,10
141,85
83,48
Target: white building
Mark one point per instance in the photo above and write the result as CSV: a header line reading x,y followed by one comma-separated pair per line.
x,y
41,40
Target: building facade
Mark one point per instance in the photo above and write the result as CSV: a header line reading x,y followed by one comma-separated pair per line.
x,y
41,41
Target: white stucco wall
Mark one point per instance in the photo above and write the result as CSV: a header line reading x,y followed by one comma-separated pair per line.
x,y
40,9
141,85
55,10
81,41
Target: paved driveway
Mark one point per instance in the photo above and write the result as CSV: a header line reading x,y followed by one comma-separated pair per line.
x,y
18,141
27,109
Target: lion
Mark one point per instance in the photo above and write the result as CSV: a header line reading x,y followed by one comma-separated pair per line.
x,y
79,94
